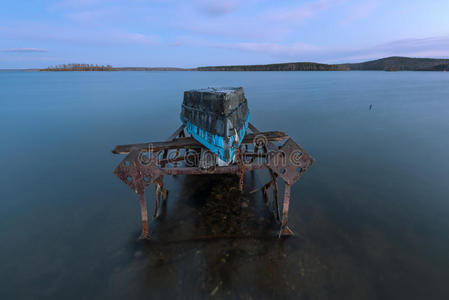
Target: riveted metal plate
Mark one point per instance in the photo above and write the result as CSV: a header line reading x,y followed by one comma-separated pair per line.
x,y
289,162
138,171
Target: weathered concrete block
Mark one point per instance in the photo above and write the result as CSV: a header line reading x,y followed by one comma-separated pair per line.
x,y
216,117
216,110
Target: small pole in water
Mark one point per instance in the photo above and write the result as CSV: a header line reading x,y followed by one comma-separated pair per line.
x,y
370,107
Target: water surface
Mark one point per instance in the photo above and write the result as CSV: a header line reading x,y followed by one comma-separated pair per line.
x,y
370,216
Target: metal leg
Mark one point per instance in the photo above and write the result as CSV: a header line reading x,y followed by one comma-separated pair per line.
x,y
164,191
143,210
158,200
241,165
241,182
285,231
275,196
272,183
161,193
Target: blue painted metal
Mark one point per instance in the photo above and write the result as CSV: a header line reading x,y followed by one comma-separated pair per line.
x,y
222,146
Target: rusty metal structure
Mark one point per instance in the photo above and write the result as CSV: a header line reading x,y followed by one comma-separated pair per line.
x,y
148,163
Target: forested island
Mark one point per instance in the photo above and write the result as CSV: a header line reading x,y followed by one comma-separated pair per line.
x,y
394,63
91,67
78,67
397,63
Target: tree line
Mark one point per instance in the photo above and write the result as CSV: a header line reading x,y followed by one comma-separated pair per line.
x,y
79,67
298,66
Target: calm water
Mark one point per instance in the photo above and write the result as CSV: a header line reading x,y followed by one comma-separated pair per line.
x,y
370,216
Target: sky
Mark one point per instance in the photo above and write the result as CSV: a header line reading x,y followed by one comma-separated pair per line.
x,y
156,33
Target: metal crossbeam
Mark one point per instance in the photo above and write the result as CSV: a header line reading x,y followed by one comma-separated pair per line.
x,y
189,142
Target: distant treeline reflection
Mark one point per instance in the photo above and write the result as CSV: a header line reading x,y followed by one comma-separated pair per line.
x,y
79,67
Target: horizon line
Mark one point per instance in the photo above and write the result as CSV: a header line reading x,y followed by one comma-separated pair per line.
x,y
235,65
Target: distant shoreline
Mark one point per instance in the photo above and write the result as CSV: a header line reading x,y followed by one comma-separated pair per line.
x,y
394,63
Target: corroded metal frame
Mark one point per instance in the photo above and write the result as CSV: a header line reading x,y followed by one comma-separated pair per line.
x,y
148,163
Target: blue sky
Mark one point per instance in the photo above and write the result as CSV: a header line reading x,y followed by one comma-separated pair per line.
x,y
210,32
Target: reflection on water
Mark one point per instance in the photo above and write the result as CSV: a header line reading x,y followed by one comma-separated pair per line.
x,y
215,241
370,216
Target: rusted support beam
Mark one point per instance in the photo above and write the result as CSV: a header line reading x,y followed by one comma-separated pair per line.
x,y
159,182
189,142
275,194
178,132
274,181
158,201
253,128
144,214
240,164
273,184
161,192
267,142
241,176
285,231
164,191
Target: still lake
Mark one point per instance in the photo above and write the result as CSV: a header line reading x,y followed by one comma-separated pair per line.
x,y
371,216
